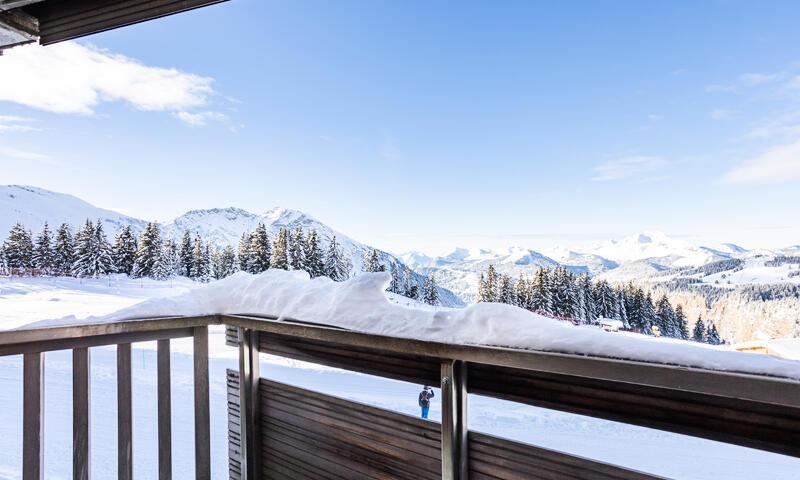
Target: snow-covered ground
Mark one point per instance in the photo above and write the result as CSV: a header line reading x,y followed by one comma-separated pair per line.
x,y
26,300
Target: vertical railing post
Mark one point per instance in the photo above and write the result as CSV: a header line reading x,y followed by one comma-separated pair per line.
x,y
32,418
202,422
81,413
454,420
249,404
164,411
124,413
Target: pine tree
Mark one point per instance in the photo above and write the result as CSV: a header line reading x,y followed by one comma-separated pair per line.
x,y
712,336
410,285
522,293
482,295
491,285
245,253
680,321
280,254
337,268
201,260
64,251
3,264
649,314
92,252
297,254
186,258
224,262
586,298
396,284
699,332
665,318
430,293
540,293
148,254
506,290
372,263
260,253
168,264
18,249
124,251
43,255
314,263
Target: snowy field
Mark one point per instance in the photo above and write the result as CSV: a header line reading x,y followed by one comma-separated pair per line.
x,y
26,300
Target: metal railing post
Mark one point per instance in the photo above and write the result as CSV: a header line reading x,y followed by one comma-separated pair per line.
x,y
249,404
454,421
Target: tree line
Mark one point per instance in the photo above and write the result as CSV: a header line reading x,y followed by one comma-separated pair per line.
x,y
88,253
558,292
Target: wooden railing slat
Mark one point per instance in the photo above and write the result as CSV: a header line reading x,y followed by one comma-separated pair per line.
x,y
164,412
81,404
124,413
202,422
32,410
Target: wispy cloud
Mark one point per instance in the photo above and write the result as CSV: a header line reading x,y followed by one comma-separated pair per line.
x,y
776,165
755,79
11,123
75,78
8,152
642,167
201,119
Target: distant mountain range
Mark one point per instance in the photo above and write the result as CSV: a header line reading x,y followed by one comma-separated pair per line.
x,y
33,206
648,257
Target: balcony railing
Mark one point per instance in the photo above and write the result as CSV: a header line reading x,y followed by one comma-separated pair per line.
x,y
279,431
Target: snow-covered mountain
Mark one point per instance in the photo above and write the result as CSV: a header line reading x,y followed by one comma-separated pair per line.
x,y
33,206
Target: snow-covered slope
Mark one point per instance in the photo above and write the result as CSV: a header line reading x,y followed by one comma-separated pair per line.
x,y
671,252
33,206
220,226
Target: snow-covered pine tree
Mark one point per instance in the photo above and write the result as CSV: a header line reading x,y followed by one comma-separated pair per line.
x,y
481,295
430,291
372,263
280,251
491,285
604,300
104,262
185,254
314,262
522,293
168,262
148,253
649,314
92,251
506,290
3,264
297,254
224,262
245,253
680,323
540,293
588,307
124,251
396,283
621,313
665,318
18,248
201,260
336,266
712,336
43,256
699,331
64,250
260,251
634,305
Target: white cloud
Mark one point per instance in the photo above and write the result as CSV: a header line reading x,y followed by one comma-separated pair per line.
x,y
629,167
721,114
201,119
754,79
74,78
11,123
778,164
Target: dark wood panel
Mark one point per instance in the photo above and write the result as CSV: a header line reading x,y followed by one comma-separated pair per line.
x,y
500,459
234,433
752,424
409,368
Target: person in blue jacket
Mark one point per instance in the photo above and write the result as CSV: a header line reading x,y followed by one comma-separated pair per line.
x,y
425,400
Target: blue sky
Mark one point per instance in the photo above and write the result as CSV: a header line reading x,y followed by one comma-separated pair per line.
x,y
429,125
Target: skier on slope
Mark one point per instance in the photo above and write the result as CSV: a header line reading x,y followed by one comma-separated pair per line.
x,y
425,400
